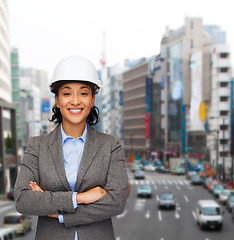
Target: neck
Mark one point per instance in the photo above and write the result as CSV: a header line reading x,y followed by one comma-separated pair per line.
x,y
74,131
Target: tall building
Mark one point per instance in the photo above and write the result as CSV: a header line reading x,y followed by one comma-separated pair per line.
x,y
176,49
198,109
39,79
136,122
8,132
16,91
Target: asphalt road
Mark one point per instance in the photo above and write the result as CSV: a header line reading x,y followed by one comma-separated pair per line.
x,y
141,219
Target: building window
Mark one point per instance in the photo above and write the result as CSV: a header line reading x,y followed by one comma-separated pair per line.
x,y
224,55
191,24
223,141
223,70
223,99
223,113
223,154
223,127
191,43
224,84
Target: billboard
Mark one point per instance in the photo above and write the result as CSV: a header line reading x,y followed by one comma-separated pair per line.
x,y
45,105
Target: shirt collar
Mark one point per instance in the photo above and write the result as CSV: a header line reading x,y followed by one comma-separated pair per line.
x,y
65,136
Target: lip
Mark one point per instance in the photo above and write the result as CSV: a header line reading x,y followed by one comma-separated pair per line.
x,y
75,110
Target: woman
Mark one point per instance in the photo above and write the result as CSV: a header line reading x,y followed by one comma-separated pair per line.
x,y
73,178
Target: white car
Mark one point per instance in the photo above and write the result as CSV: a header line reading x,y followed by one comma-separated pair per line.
x,y
223,196
149,168
209,214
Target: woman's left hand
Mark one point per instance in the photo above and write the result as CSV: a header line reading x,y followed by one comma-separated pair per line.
x,y
37,188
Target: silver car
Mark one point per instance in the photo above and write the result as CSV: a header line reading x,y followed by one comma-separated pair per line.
x,y
166,200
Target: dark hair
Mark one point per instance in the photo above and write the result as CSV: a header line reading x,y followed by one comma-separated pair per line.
x,y
93,117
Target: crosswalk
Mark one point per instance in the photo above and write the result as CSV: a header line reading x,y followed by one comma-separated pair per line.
x,y
159,182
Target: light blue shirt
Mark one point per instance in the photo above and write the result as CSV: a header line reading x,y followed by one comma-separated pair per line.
x,y
72,154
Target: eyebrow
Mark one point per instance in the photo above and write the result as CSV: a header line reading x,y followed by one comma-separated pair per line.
x,y
80,87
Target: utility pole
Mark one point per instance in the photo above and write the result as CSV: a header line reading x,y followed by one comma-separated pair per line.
x,y
223,167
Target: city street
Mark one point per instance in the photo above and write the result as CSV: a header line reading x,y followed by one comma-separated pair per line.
x,y
141,218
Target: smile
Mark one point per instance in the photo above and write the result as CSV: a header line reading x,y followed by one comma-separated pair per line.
x,y
75,110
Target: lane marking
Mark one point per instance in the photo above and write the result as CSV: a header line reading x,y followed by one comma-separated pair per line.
x,y
155,187
185,197
147,215
178,187
159,216
166,187
177,215
181,182
186,182
118,238
194,215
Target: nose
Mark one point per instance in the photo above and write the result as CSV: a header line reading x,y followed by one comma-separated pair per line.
x,y
75,99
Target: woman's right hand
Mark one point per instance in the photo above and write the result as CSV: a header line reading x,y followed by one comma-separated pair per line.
x,y
90,196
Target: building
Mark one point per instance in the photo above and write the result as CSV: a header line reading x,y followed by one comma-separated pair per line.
x,y
220,107
39,79
16,91
135,120
8,131
33,117
197,103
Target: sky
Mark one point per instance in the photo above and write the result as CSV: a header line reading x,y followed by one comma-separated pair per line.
x,y
45,31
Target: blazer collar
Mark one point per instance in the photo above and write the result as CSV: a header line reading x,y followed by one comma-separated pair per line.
x,y
90,150
55,146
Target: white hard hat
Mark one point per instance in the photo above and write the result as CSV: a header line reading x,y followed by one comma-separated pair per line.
x,y
75,68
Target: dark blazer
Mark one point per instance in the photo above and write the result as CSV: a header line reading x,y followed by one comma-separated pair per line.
x,y
102,165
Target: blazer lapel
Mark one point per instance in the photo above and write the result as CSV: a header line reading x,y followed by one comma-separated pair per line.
x,y
55,146
90,150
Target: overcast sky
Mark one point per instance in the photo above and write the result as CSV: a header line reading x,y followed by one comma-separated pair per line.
x,y
45,31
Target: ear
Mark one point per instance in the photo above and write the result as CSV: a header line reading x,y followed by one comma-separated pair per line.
x,y
56,101
93,101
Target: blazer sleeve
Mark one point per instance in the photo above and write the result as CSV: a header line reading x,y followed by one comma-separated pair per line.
x,y
113,202
37,203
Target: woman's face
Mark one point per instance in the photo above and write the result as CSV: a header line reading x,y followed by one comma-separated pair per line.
x,y
75,101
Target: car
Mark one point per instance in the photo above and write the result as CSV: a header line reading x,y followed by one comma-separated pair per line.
x,y
21,223
223,196
166,200
230,202
144,190
7,234
211,184
209,214
10,194
178,171
206,182
135,167
149,168
162,169
196,180
189,174
139,175
217,189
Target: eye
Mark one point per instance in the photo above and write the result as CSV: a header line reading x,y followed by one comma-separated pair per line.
x,y
84,94
66,94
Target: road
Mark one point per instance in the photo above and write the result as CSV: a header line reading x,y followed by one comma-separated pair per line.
x,y
141,218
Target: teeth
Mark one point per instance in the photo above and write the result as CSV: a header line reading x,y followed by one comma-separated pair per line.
x,y
75,110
